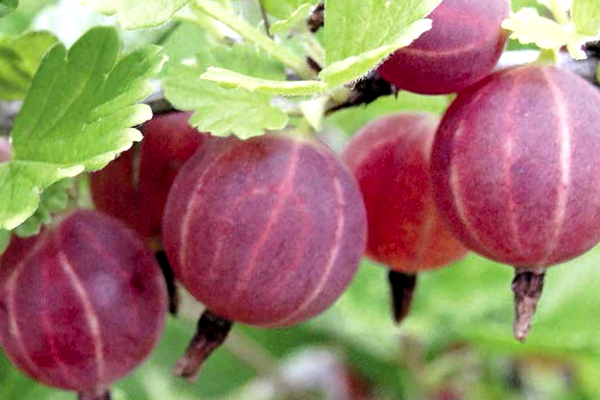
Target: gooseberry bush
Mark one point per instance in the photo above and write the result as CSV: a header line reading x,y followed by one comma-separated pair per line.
x,y
270,157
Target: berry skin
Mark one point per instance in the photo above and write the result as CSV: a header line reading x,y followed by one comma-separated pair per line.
x,y
462,47
134,187
516,169
267,231
82,304
390,159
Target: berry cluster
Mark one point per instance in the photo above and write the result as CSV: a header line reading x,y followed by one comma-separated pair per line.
x,y
270,231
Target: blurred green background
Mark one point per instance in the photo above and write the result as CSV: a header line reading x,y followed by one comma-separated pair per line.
x,y
456,344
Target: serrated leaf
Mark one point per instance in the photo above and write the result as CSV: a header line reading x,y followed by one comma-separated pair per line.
x,y
353,68
528,26
77,115
54,199
296,19
354,27
282,9
232,79
22,184
19,59
135,14
219,110
586,16
224,111
7,7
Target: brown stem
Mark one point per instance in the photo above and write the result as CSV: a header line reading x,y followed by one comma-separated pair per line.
x,y
402,288
317,18
527,287
365,91
95,394
167,271
265,18
211,332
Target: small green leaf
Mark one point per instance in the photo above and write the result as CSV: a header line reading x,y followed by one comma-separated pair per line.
x,y
228,78
282,9
353,68
528,26
297,19
7,7
354,27
22,184
586,16
54,199
219,110
19,59
359,34
134,14
77,115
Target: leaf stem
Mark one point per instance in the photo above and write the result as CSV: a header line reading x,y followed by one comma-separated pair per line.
x,y
252,35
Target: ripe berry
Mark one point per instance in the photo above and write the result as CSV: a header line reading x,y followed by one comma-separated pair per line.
x,y
81,305
390,159
134,187
267,232
516,172
462,47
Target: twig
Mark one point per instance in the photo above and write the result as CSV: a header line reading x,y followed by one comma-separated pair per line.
x,y
265,18
316,20
368,89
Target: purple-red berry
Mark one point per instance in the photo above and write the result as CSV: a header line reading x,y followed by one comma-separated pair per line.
x,y
82,304
462,47
390,158
516,169
134,187
267,231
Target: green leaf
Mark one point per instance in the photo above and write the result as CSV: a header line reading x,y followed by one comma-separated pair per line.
x,y
134,14
360,33
22,184
19,59
7,7
53,200
354,27
219,110
354,67
233,79
296,19
282,9
77,115
224,111
586,16
528,26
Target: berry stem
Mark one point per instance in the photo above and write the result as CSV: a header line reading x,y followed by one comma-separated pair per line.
x,y
527,287
167,271
211,332
402,288
101,393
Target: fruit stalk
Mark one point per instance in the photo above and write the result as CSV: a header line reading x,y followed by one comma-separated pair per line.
x,y
527,287
211,332
402,287
167,271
